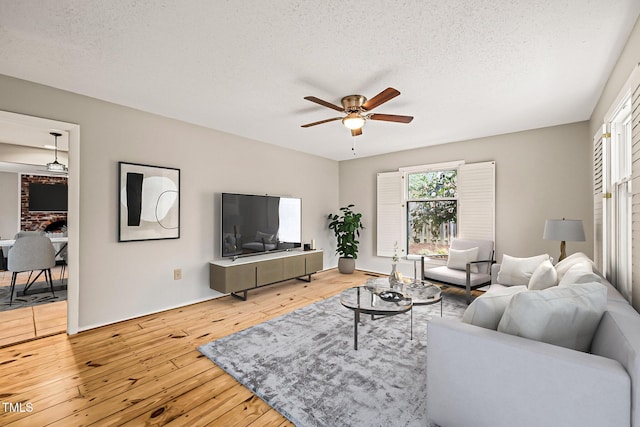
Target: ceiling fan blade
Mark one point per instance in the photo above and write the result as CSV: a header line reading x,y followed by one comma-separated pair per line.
x,y
356,132
324,103
391,118
321,122
381,98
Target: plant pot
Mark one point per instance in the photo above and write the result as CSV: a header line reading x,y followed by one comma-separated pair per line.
x,y
346,265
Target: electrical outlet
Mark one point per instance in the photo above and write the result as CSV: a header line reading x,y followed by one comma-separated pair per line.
x,y
177,274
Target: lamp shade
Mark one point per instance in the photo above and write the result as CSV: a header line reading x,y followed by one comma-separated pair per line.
x,y
353,121
570,230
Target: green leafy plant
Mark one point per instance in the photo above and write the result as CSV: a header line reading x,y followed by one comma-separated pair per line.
x,y
435,192
346,226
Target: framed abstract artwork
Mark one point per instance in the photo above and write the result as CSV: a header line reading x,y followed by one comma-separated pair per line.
x,y
149,202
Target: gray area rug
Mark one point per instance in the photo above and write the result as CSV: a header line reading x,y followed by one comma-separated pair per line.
x,y
41,295
304,365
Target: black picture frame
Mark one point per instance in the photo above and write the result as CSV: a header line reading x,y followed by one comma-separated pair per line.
x,y
148,202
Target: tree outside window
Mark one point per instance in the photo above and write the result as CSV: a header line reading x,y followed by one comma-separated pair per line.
x,y
432,211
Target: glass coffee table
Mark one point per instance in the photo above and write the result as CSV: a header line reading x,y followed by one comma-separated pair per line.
x,y
375,301
421,292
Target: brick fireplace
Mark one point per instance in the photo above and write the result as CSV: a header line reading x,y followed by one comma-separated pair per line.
x,y
39,220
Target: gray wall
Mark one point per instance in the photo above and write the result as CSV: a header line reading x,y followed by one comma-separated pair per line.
x,y
10,205
124,280
540,174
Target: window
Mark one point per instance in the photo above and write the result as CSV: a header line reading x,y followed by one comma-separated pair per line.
x,y
618,183
432,211
615,212
422,208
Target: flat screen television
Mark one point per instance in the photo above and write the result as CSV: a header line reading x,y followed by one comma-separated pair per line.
x,y
253,224
47,197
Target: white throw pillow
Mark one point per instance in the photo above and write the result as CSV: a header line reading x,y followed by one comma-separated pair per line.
x,y
458,259
563,266
580,272
545,276
486,310
566,316
517,271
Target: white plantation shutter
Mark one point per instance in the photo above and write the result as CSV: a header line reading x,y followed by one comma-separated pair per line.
x,y
476,201
635,185
598,193
390,221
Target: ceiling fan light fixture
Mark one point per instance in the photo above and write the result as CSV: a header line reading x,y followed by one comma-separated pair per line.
x,y
353,121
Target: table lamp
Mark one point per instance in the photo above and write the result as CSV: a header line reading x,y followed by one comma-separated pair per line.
x,y
564,230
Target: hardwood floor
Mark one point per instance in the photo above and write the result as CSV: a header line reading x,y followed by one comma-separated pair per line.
x,y
29,323
147,371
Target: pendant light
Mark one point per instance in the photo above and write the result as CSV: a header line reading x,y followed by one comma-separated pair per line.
x,y
56,166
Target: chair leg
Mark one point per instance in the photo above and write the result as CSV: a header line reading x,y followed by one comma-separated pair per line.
x,y
468,283
30,282
13,286
62,269
47,275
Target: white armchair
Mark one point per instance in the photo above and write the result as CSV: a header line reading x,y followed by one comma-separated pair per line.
x,y
468,267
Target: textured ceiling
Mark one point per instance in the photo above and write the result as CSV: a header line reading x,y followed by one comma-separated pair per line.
x,y
465,68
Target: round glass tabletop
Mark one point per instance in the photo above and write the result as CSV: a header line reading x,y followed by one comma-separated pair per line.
x,y
378,301
421,292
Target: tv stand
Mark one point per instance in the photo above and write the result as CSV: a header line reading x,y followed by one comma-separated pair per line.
x,y
238,276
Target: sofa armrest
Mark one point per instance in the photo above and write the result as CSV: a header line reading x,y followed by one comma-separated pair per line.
x,y
481,377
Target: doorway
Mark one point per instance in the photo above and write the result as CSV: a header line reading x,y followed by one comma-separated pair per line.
x,y
14,129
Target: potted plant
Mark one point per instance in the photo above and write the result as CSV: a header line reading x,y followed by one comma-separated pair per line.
x,y
346,226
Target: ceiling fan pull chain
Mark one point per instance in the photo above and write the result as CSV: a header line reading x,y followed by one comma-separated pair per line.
x,y
353,146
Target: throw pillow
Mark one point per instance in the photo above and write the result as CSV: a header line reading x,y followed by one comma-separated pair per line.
x,y
486,310
517,271
458,259
545,276
566,316
563,266
580,272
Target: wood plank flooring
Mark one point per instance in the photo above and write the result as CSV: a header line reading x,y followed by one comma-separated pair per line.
x,y
30,323
147,371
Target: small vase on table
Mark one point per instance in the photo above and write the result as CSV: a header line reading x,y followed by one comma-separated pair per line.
x,y
394,281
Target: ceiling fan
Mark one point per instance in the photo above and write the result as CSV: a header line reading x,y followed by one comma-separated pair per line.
x,y
357,107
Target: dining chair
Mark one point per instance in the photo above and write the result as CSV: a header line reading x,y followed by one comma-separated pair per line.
x,y
31,253
3,260
25,233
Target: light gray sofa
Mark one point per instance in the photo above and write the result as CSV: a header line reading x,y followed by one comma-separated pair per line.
x,y
481,377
